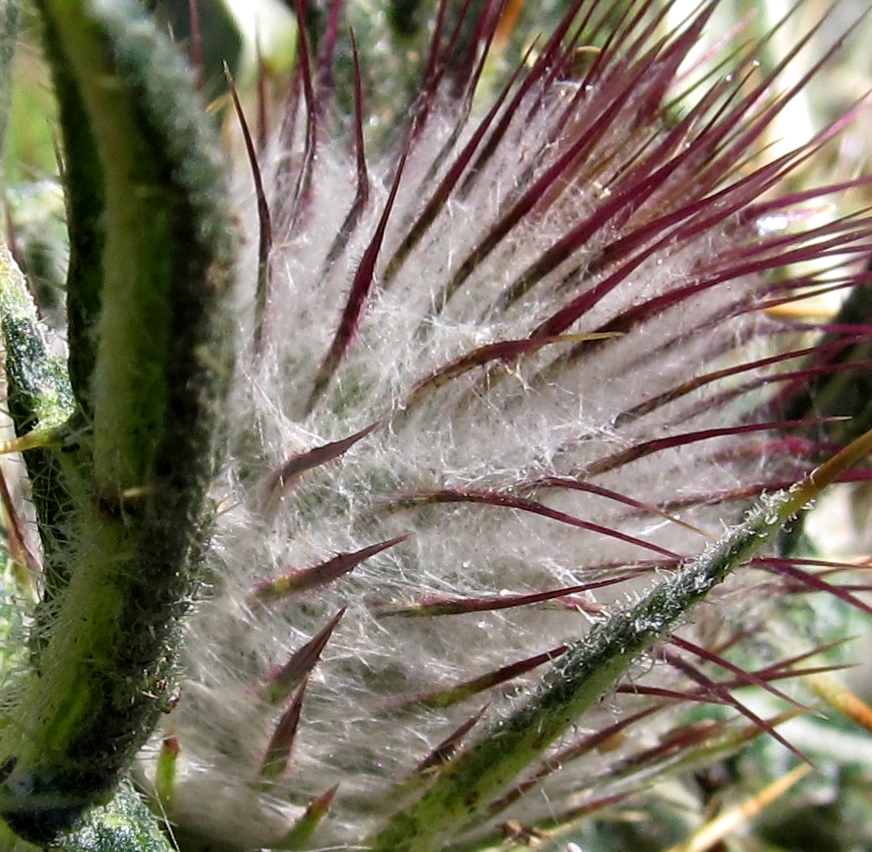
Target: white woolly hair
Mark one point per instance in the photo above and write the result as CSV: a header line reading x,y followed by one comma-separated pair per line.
x,y
504,444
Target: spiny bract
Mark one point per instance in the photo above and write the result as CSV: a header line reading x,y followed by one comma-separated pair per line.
x,y
503,373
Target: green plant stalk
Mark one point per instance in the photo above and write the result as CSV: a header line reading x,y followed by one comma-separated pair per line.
x,y
85,197
162,347
10,14
54,481
461,792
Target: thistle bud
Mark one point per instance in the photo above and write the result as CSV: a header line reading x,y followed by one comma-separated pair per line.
x,y
506,372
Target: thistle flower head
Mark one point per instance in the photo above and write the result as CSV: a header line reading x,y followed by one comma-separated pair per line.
x,y
505,372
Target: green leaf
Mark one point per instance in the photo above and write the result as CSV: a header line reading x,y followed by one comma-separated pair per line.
x,y
124,825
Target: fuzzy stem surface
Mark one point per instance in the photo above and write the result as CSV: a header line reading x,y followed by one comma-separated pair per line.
x,y
161,362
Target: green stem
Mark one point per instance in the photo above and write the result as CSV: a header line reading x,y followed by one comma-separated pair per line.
x,y
149,377
10,14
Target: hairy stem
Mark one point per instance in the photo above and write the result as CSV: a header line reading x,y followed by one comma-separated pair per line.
x,y
150,361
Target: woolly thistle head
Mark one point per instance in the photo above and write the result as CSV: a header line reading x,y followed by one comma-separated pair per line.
x,y
506,372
